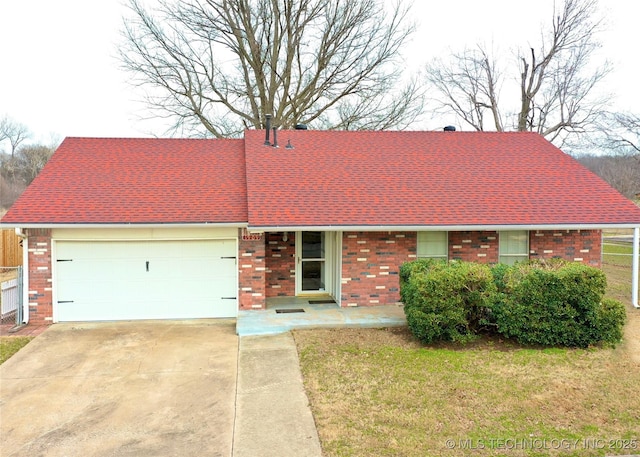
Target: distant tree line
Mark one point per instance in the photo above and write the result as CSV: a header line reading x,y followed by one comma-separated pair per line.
x,y
616,156
621,171
20,161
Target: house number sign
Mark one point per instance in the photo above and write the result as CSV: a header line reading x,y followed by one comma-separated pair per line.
x,y
246,236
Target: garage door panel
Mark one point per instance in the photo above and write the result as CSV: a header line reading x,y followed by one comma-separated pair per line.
x,y
113,280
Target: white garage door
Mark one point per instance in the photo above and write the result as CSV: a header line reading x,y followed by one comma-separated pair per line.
x,y
121,280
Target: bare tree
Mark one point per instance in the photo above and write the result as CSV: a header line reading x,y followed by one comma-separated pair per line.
x,y
556,96
620,133
621,171
218,66
22,163
9,192
14,132
614,151
31,159
469,87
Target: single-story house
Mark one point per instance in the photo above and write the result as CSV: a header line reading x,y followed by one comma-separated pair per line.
x,y
121,228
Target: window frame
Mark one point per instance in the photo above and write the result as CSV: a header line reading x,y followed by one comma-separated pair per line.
x,y
503,235
444,256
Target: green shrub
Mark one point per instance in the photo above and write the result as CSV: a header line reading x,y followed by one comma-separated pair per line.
x,y
499,271
446,301
556,304
542,302
407,269
417,266
611,318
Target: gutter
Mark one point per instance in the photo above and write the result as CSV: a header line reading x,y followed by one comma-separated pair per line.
x,y
635,261
449,228
25,274
18,225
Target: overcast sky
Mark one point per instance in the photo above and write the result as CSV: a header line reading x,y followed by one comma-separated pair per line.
x,y
59,75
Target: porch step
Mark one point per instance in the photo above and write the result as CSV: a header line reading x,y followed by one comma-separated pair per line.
x,y
270,322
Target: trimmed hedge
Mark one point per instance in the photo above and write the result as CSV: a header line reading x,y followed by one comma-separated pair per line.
x,y
446,301
557,304
550,303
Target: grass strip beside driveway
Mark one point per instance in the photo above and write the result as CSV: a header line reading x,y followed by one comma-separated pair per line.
x,y
9,345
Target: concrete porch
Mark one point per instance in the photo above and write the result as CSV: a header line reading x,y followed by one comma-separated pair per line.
x,y
326,315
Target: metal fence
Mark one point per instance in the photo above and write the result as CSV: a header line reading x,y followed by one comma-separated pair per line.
x,y
617,252
11,295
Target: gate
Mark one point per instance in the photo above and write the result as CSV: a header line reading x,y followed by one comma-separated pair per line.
x,y
11,295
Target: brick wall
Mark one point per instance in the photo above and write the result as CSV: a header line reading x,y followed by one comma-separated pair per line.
x,y
280,263
251,268
370,263
370,266
577,245
40,281
481,247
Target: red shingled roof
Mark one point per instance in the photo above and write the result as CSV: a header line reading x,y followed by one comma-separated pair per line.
x,y
338,178
330,178
116,180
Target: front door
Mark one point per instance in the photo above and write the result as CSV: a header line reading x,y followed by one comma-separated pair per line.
x,y
314,274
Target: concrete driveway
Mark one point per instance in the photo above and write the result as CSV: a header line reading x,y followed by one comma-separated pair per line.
x,y
159,388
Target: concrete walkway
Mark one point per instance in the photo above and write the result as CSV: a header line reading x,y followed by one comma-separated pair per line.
x,y
272,410
270,322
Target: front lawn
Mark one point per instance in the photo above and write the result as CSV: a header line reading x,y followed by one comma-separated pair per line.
x,y
380,392
617,253
9,345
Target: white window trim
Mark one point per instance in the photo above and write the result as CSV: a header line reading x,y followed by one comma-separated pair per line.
x,y
446,241
518,255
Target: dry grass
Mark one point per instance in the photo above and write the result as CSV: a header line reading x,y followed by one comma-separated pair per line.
x,y
9,345
380,392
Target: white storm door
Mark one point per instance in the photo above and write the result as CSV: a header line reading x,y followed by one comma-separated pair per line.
x,y
314,273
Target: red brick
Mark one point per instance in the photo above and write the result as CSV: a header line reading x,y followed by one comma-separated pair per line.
x,y
281,263
40,277
251,273
576,245
375,280
466,246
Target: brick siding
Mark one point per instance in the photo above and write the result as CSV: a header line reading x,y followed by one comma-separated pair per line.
x,y
370,266
252,270
481,247
370,263
577,245
40,277
281,264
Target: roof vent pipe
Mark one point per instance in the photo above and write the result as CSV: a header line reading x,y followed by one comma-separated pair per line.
x,y
267,128
449,128
275,138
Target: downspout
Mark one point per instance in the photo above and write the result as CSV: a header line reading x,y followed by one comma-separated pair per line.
x,y
635,266
25,274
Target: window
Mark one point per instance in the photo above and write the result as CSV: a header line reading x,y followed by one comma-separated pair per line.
x,y
514,246
433,245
